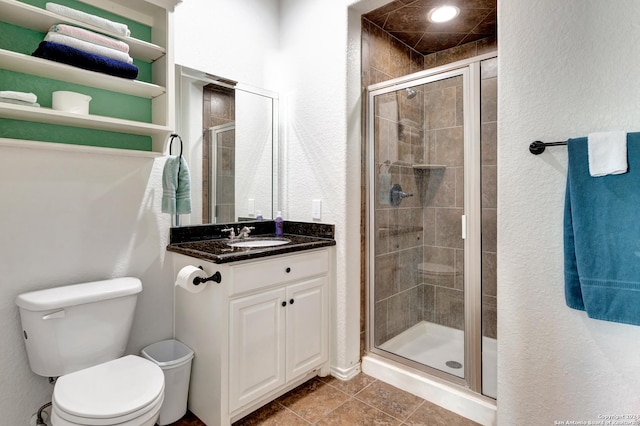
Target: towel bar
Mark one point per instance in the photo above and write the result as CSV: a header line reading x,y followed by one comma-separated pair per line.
x,y
538,147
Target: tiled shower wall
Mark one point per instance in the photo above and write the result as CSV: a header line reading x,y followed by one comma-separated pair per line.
x,y
407,234
488,145
218,108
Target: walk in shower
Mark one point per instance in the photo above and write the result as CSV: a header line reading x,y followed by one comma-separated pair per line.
x,y
431,236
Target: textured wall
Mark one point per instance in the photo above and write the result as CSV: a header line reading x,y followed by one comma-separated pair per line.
x,y
229,38
69,217
319,162
566,69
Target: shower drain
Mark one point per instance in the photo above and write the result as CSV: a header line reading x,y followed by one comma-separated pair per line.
x,y
453,364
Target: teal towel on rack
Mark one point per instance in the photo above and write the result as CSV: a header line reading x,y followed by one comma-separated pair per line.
x,y
176,186
602,237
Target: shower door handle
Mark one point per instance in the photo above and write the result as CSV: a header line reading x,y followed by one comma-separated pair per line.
x,y
464,226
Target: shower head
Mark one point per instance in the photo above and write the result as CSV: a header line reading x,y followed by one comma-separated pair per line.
x,y
411,93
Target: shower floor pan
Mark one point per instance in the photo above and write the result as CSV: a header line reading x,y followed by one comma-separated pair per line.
x,y
435,345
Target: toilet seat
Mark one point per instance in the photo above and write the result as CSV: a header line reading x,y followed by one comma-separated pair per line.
x,y
123,391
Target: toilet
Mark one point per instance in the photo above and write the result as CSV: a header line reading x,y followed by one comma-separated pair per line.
x,y
78,333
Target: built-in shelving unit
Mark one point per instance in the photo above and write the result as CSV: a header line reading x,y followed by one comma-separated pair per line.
x,y
159,92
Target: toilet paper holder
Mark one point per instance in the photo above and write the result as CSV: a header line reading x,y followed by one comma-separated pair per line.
x,y
217,277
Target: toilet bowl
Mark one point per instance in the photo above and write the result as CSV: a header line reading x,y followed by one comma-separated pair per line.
x,y
127,391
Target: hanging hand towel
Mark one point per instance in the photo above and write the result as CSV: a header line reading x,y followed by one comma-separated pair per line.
x,y
176,186
607,153
602,237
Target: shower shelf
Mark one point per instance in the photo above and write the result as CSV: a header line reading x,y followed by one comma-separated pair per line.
x,y
429,166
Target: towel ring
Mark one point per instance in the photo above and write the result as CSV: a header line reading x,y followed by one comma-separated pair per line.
x,y
173,136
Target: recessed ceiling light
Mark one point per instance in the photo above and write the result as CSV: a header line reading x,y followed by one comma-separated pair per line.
x,y
443,13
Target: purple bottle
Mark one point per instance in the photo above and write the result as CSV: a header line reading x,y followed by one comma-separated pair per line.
x,y
279,225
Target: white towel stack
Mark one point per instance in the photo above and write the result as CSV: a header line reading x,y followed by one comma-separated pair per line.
x,y
105,24
88,47
86,40
19,98
607,153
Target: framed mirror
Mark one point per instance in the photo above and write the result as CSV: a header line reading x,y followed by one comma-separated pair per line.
x,y
231,130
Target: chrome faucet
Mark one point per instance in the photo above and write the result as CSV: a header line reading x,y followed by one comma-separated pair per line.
x,y
244,232
231,231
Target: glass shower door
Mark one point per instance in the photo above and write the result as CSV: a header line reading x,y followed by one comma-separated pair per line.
x,y
419,139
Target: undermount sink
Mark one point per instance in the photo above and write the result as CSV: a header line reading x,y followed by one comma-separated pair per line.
x,y
259,242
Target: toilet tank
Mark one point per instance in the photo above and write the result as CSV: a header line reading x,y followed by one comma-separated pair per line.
x,y
72,327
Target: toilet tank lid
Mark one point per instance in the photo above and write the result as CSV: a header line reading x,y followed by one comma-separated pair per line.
x,y
78,294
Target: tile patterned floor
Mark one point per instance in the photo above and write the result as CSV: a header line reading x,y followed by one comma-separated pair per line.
x,y
362,400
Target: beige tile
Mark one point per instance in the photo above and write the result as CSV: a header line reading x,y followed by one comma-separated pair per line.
x,y
448,228
391,400
488,100
489,317
429,414
381,334
450,307
440,108
489,277
352,386
489,229
313,400
271,415
357,413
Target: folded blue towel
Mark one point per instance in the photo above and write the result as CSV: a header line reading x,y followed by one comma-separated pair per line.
x,y
176,186
85,60
602,237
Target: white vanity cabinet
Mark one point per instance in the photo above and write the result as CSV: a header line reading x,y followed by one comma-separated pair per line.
x,y
259,333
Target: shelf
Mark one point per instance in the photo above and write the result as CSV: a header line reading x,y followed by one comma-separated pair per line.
x,y
89,121
54,146
19,62
37,19
149,18
429,166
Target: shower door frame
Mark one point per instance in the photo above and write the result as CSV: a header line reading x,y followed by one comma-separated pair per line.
x,y
470,223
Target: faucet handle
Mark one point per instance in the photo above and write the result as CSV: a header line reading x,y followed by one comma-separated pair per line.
x,y
244,232
231,231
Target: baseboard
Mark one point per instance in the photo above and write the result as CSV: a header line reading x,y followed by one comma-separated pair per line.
x,y
345,373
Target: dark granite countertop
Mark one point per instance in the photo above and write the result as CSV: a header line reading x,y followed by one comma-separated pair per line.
x,y
207,241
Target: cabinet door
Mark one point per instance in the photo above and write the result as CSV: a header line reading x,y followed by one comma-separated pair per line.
x,y
256,346
307,328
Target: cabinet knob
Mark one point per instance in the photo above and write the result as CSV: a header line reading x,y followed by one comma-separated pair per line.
x,y
284,303
291,302
288,270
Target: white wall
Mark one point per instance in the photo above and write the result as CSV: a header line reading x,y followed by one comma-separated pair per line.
x,y
287,47
566,69
69,217
233,39
322,161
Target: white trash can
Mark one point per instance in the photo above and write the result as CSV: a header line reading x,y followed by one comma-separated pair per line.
x,y
174,358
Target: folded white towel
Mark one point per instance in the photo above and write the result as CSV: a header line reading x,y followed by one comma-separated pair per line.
x,y
90,36
88,47
17,102
19,96
607,153
105,24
